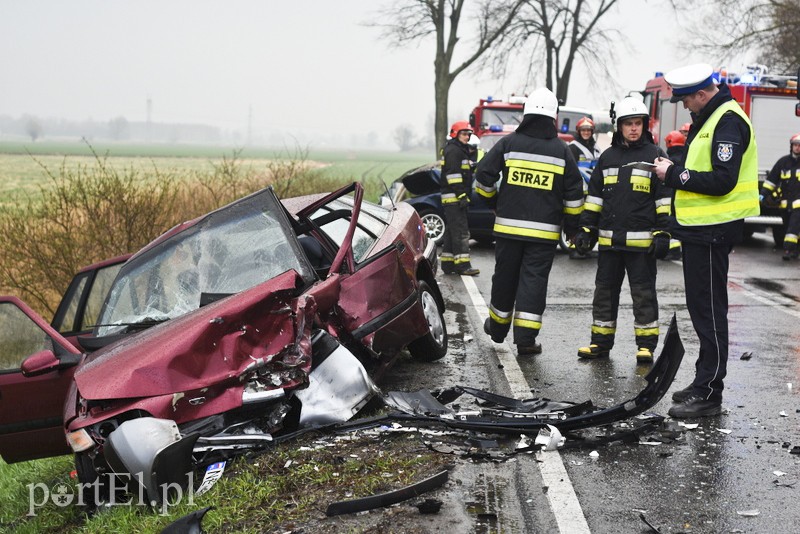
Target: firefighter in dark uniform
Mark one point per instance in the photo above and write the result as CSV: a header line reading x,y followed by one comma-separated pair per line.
x,y
627,212
540,189
584,147
456,186
676,152
783,185
715,189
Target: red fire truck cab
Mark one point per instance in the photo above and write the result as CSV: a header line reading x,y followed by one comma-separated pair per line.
x,y
498,117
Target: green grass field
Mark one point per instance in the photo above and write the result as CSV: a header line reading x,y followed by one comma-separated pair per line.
x,y
24,166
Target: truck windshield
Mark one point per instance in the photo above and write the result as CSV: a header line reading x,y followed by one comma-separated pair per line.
x,y
500,117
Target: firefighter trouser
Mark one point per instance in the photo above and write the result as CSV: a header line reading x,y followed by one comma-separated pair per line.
x,y
611,268
455,242
705,274
792,230
521,271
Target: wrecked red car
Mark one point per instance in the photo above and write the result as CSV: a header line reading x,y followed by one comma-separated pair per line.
x,y
259,317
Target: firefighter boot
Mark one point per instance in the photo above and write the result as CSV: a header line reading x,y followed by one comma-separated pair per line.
x,y
487,329
448,266
644,355
529,350
466,269
592,352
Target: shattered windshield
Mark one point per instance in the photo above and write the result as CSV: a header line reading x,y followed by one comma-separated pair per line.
x,y
228,251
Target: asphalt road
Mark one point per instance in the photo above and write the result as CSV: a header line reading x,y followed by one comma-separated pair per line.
x,y
733,473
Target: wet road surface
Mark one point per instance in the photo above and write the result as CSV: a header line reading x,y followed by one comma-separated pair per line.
x,y
733,473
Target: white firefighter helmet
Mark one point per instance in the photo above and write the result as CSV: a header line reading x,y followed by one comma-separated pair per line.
x,y
631,107
474,140
542,102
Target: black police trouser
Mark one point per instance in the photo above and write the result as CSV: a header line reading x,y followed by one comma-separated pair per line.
x,y
455,242
611,268
792,230
705,274
519,288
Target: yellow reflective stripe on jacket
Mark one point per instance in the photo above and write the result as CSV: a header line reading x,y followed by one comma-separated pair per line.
x,y
696,209
610,175
632,239
573,207
485,190
518,227
449,198
594,204
603,330
499,316
455,178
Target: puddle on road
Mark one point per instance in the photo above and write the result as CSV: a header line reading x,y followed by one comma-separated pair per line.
x,y
772,286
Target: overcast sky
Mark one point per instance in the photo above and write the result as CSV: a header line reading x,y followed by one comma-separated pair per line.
x,y
308,67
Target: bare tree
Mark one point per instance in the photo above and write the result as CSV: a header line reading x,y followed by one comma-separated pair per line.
x,y
403,135
411,21
559,32
768,26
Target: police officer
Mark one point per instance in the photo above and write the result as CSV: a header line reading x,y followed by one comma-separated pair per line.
x,y
783,181
540,189
627,208
716,188
456,186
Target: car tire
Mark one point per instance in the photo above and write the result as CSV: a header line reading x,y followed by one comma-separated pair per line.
x,y
433,345
778,233
563,242
89,479
434,225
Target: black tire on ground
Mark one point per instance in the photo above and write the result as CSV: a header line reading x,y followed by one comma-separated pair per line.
x,y
563,242
95,490
778,234
433,345
434,225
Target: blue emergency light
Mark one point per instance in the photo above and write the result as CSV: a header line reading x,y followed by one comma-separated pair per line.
x,y
489,98
495,128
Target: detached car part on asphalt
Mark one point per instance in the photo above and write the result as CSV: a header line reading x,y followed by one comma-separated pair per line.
x,y
209,334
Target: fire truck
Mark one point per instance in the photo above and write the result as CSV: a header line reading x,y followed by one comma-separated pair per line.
x,y
772,104
493,117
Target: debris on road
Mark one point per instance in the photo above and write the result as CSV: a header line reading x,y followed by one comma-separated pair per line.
x,y
389,498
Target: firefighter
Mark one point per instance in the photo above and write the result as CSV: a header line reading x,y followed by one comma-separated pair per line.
x,y
456,185
584,146
627,212
715,189
676,146
676,152
783,186
540,190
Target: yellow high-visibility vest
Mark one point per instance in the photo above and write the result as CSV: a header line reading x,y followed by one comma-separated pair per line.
x,y
697,209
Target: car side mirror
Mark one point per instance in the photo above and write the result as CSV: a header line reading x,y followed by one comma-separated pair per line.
x,y
45,361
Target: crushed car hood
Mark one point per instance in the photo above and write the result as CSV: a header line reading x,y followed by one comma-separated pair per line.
x,y
267,325
422,180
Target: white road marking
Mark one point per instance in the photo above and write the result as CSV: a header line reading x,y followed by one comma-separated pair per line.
x,y
560,493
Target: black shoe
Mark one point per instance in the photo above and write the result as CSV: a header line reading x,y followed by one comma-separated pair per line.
x,y
592,352
448,267
683,394
469,271
487,329
529,350
787,255
695,406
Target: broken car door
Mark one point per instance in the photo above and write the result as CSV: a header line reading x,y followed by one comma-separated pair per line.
x,y
36,368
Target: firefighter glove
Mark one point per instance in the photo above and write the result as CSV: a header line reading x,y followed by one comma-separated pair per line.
x,y
770,199
584,241
660,245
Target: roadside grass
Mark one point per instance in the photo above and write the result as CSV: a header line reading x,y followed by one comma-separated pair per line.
x,y
22,164
287,488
